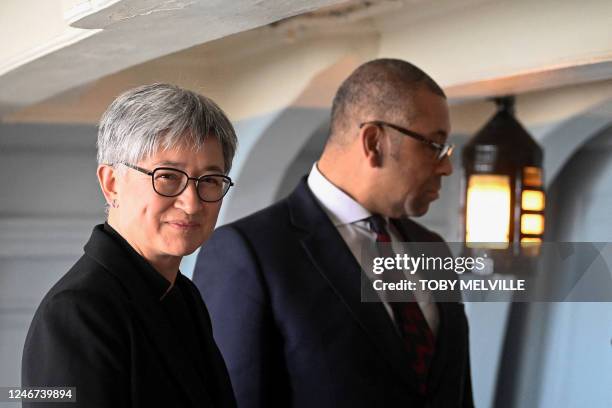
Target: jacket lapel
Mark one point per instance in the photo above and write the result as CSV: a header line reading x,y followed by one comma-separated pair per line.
x,y
333,259
148,310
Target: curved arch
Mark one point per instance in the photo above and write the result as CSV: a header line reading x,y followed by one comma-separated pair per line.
x,y
534,330
567,137
264,165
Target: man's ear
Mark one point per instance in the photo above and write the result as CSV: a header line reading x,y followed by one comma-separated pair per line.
x,y
371,137
107,176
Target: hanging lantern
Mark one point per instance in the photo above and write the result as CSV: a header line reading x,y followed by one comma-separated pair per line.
x,y
503,198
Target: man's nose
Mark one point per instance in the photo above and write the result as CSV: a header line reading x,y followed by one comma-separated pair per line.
x,y
445,166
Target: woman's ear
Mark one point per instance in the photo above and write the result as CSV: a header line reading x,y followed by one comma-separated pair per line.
x,y
372,143
107,176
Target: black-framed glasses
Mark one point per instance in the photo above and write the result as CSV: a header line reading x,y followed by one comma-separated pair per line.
x,y
171,182
443,149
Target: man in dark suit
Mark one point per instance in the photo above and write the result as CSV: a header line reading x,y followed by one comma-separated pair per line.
x,y
283,285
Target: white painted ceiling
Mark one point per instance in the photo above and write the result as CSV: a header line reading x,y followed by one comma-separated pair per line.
x,y
120,34
247,53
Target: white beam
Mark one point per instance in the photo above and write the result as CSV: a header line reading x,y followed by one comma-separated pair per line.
x,y
125,33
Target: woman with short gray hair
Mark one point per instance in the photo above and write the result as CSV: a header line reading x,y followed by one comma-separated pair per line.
x,y
123,326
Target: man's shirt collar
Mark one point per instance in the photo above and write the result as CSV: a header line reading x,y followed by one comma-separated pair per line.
x,y
339,206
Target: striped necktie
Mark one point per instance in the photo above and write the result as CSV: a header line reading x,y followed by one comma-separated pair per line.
x,y
417,337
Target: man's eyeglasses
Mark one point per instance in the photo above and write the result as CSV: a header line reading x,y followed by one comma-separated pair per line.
x,y
443,149
170,182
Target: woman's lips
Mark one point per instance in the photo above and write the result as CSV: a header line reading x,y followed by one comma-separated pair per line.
x,y
183,225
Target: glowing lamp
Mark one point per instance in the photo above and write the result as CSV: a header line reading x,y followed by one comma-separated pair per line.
x,y
503,197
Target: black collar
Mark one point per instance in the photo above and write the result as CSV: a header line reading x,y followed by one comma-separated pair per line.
x,y
157,283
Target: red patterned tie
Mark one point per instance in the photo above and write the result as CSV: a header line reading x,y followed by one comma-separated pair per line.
x,y
418,337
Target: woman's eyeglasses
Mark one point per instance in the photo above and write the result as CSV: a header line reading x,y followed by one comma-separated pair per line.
x,y
170,182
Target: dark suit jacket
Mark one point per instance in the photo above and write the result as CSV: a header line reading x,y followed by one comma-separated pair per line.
x,y
283,290
104,330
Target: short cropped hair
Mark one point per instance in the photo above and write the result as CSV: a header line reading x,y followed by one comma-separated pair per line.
x,y
380,87
161,116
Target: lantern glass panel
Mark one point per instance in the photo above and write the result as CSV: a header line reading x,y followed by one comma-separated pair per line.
x,y
531,240
532,224
532,200
532,176
488,208
530,246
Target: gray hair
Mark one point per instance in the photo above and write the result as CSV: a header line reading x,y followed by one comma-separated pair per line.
x,y
142,120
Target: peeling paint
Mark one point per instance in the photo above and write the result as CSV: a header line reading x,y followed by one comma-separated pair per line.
x,y
166,6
